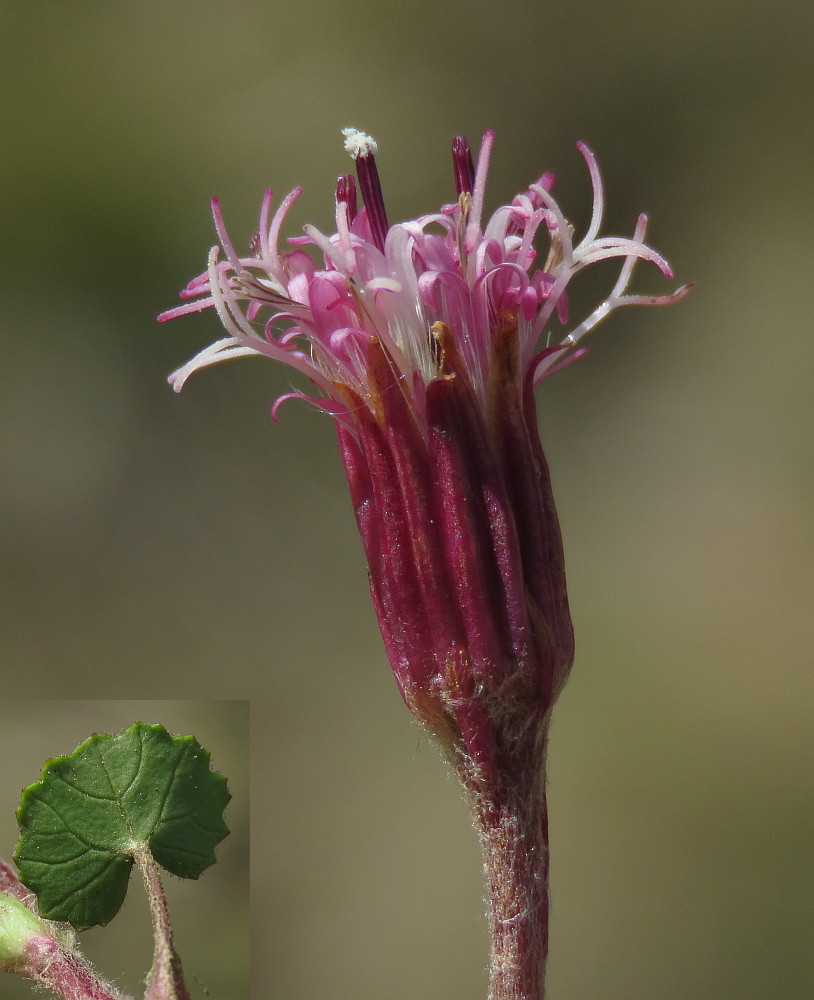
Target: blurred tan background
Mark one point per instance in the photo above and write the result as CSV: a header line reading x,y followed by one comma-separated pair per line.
x,y
210,915
155,546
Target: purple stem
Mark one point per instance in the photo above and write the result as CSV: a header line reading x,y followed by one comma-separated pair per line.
x,y
512,821
53,966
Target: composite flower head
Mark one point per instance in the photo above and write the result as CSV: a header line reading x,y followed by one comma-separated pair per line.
x,y
370,281
425,340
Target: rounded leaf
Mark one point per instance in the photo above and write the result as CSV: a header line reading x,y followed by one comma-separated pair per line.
x,y
114,797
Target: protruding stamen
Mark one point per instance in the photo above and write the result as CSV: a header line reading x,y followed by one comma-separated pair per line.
x,y
463,165
363,149
346,193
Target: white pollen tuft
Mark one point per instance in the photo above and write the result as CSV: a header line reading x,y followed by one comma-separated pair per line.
x,y
359,143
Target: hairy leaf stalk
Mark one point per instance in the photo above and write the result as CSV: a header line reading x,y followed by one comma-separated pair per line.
x,y
165,980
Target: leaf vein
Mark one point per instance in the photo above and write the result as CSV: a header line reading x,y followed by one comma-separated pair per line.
x,y
83,887
86,793
169,785
138,765
65,823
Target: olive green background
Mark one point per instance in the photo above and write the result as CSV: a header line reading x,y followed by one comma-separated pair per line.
x,y
210,915
155,546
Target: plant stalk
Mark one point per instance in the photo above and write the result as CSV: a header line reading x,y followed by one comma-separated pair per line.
x,y
511,817
52,965
165,980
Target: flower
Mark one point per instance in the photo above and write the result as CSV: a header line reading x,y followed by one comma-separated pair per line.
x,y
425,341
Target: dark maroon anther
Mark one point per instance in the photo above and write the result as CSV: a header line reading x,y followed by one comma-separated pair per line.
x,y
346,192
372,197
463,165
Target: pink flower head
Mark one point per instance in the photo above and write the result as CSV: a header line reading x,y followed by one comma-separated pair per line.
x,y
425,341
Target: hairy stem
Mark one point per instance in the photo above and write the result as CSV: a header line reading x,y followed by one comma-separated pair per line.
x,y
52,965
511,817
165,980
515,861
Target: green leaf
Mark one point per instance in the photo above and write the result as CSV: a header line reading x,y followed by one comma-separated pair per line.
x,y
112,799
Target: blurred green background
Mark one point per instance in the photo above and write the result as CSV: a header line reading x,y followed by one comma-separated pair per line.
x,y
155,546
210,915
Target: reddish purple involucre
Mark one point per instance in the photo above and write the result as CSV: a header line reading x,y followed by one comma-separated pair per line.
x,y
425,341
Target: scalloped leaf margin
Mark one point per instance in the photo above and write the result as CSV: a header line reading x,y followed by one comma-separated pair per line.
x,y
93,810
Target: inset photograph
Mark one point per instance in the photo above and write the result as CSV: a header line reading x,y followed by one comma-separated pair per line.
x,y
124,849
